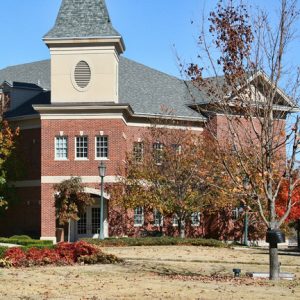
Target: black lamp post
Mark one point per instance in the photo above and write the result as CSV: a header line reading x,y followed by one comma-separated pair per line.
x,y
246,184
102,171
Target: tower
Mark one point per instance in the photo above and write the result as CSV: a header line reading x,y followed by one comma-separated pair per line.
x,y
84,49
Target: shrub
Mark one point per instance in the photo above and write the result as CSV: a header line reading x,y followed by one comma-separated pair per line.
x,y
20,237
61,254
16,256
99,258
156,241
73,251
2,251
25,241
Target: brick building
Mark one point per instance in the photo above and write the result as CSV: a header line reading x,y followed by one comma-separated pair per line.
x,y
86,104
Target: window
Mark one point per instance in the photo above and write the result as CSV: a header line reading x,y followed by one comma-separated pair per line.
x,y
157,218
139,216
81,147
236,213
61,147
138,152
81,224
158,152
95,220
102,147
177,148
195,218
175,220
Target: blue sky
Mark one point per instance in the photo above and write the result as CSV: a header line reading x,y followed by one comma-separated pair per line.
x,y
150,29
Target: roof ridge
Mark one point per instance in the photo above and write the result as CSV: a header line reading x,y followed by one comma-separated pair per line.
x,y
24,64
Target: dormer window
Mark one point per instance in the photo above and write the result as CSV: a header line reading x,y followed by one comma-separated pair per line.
x,y
82,75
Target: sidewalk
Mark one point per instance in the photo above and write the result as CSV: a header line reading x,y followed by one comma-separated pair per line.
x,y
9,245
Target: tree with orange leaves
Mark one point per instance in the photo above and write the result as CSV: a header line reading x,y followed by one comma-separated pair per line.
x,y
7,138
172,171
283,198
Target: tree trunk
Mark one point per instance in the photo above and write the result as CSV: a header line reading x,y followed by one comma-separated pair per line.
x,y
69,231
182,232
181,227
274,262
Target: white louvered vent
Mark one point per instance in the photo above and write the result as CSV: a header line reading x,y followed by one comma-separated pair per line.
x,y
82,74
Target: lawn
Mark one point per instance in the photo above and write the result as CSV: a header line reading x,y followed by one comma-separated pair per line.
x,y
156,272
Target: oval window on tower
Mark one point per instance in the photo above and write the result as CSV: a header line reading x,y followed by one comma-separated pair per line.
x,y
82,74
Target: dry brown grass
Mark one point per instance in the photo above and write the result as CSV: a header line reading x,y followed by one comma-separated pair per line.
x,y
156,273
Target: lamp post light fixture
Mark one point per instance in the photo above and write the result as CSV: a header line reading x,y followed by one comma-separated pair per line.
x,y
102,171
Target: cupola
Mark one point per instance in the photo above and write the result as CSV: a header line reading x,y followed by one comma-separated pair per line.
x,y
85,49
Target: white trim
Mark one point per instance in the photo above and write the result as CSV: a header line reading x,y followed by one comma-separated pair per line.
x,y
96,192
67,147
49,238
113,117
199,219
26,183
142,217
87,147
95,148
131,124
85,179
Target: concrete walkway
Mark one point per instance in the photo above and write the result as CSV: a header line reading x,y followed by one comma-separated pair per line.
x,y
9,245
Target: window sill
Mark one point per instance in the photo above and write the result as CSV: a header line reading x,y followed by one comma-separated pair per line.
x,y
61,159
81,159
138,225
97,158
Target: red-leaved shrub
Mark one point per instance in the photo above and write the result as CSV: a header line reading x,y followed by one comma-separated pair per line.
x,y
62,254
16,256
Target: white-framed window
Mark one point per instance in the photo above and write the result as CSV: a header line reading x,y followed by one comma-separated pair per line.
x,y
61,147
81,147
138,152
158,152
235,213
102,147
175,220
157,218
139,216
195,218
177,148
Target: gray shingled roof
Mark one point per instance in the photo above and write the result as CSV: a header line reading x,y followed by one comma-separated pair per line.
x,y
36,73
145,89
82,18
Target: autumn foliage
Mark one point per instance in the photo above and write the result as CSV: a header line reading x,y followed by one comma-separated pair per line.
x,y
62,254
70,199
7,139
282,202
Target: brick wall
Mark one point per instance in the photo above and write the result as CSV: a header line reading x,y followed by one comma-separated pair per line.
x,y
24,214
120,140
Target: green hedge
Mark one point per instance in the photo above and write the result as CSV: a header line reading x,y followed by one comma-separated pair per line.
x,y
156,241
2,250
25,241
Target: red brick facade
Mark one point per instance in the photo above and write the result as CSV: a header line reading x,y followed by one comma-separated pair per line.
x,y
33,211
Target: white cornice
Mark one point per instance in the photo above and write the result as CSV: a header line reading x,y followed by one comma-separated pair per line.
x,y
85,179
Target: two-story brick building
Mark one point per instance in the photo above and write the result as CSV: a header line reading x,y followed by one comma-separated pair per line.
x,y
86,104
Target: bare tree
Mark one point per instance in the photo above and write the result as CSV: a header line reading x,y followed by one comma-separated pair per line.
x,y
246,108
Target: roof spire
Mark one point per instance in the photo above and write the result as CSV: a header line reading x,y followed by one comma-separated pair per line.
x,y
82,19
